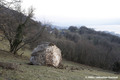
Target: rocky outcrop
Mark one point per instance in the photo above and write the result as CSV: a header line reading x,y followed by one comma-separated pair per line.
x,y
46,54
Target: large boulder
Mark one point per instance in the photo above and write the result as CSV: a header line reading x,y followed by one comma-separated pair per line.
x,y
46,54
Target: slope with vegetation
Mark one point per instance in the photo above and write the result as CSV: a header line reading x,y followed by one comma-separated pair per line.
x,y
24,71
19,34
87,46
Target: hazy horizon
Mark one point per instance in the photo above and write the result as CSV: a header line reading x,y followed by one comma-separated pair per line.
x,y
91,13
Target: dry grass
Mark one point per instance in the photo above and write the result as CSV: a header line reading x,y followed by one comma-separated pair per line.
x,y
35,72
73,71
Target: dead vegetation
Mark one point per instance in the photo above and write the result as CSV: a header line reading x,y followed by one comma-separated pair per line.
x,y
66,71
11,66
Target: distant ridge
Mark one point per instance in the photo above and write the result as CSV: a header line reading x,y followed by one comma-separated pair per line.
x,y
59,27
113,33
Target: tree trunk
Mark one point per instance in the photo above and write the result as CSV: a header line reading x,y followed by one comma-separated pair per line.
x,y
18,39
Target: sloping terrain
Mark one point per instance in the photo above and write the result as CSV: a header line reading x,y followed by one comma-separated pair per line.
x,y
86,41
24,71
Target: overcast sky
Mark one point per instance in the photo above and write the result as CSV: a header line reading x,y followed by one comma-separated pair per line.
x,y
77,12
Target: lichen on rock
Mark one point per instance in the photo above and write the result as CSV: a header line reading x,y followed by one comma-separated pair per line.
x,y
46,54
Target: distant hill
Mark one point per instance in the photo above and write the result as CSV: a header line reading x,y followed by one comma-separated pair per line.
x,y
113,33
87,46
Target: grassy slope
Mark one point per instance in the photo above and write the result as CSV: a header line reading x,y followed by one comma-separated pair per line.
x,y
34,72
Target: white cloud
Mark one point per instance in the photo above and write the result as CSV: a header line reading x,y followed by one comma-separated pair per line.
x,y
111,28
71,12
76,8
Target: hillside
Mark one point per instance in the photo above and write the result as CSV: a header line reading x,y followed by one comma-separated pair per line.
x,y
87,46
73,71
83,46
24,71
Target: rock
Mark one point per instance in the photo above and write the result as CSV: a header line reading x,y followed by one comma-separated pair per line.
x,y
46,54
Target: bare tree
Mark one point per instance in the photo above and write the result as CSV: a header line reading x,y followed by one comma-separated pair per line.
x,y
14,22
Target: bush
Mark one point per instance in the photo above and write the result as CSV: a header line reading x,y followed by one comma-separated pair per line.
x,y
116,66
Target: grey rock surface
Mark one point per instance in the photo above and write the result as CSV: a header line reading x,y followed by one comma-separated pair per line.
x,y
46,54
